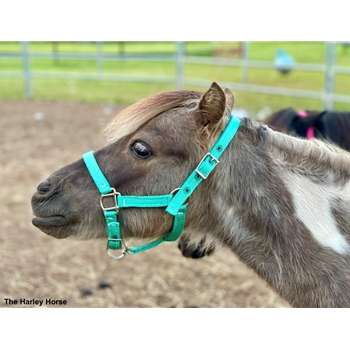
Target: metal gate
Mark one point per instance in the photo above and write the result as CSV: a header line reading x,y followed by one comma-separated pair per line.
x,y
179,58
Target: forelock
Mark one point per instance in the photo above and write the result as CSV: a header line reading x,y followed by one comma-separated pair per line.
x,y
131,118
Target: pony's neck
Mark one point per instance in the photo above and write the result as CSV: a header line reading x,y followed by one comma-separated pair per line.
x,y
281,205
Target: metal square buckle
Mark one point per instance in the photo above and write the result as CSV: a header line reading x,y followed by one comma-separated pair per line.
x,y
212,159
114,195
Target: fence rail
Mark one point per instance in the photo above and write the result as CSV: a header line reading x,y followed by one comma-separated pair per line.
x,y
179,58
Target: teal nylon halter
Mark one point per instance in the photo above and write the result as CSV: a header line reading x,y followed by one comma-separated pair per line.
x,y
175,202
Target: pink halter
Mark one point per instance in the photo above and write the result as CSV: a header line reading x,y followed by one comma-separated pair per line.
x,y
310,133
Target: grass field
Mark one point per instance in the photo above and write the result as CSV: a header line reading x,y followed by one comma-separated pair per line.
x,y
130,92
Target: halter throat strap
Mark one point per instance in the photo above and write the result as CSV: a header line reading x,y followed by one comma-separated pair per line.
x,y
174,203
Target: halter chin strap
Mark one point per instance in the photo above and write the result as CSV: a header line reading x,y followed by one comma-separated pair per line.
x,y
175,202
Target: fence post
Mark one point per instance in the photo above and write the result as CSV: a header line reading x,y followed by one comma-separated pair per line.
x,y
180,52
27,79
99,60
245,68
331,57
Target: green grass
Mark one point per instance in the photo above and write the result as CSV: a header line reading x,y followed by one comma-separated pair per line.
x,y
127,93
95,91
11,89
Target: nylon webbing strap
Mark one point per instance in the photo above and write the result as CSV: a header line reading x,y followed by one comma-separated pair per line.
x,y
113,227
205,167
144,201
178,226
100,180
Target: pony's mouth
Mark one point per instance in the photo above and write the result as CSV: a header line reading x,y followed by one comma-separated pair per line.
x,y
54,226
49,221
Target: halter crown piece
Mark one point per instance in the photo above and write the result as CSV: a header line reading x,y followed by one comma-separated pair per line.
x,y
174,203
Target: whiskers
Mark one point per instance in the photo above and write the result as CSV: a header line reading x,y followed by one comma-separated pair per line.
x,y
63,179
52,192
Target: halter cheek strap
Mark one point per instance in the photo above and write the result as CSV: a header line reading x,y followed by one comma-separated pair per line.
x,y
174,202
205,167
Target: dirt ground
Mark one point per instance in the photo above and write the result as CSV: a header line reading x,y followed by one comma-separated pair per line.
x,y
37,138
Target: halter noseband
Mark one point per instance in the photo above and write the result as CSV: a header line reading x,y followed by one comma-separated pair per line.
x,y
175,202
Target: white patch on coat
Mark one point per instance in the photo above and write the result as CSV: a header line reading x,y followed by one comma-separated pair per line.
x,y
313,207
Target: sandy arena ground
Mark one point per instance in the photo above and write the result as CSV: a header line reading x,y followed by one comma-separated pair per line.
x,y
37,138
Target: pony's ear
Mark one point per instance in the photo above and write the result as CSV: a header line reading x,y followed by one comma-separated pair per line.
x,y
230,99
212,106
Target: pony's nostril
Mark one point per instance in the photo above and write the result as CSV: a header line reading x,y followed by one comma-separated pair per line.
x,y
44,187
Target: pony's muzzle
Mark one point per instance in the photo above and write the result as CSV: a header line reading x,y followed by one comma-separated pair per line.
x,y
49,210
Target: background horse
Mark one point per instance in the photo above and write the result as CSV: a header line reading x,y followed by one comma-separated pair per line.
x,y
329,126
280,203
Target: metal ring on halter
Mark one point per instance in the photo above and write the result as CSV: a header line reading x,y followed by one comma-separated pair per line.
x,y
124,251
177,190
116,257
174,191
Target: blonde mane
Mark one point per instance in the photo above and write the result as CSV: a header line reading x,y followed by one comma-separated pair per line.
x,y
131,118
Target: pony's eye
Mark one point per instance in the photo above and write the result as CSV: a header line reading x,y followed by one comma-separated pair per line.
x,y
140,150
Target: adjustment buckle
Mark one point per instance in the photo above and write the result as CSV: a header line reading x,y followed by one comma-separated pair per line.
x,y
113,195
204,158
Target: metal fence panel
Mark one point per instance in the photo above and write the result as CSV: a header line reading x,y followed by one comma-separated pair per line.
x,y
179,58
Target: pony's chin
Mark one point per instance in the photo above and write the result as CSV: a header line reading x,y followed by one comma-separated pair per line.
x,y
54,226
